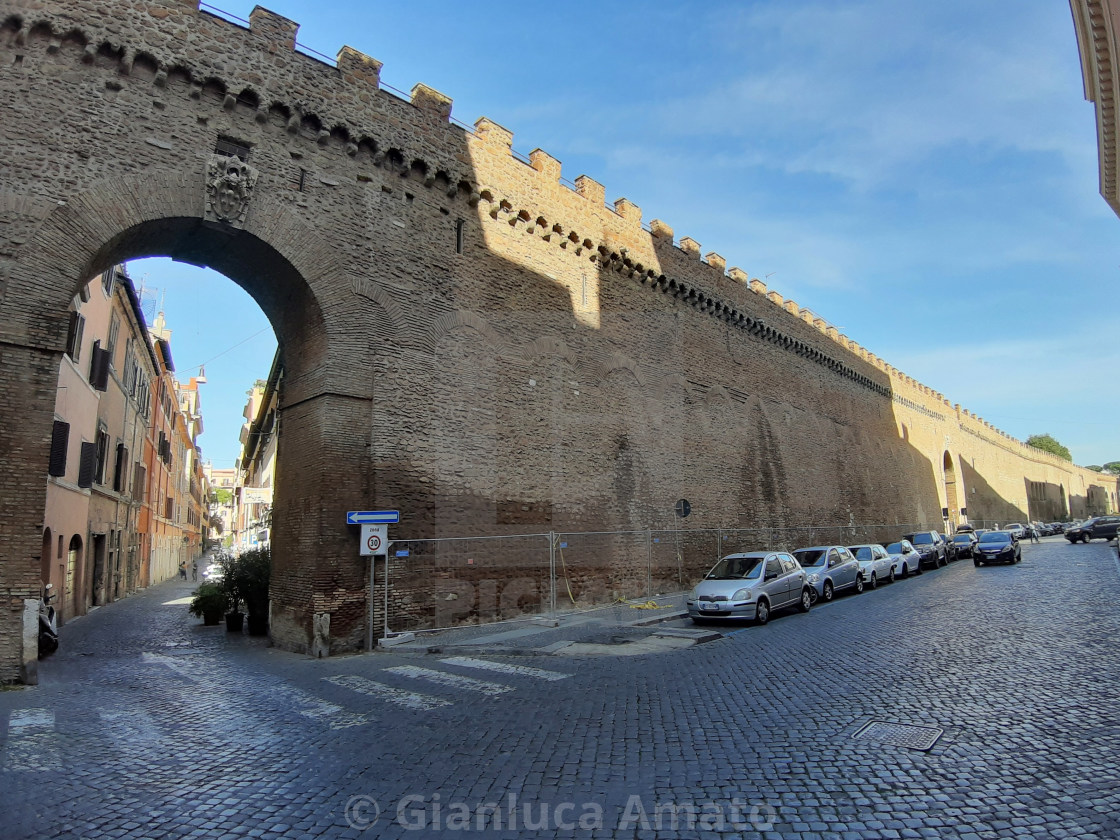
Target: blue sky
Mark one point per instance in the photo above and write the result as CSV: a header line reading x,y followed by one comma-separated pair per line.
x,y
923,175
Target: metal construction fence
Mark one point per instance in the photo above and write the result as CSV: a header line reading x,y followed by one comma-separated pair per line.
x,y
458,581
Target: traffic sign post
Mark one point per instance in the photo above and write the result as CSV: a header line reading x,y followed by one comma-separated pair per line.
x,y
375,540
373,517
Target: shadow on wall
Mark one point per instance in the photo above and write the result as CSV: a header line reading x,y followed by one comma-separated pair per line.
x,y
985,504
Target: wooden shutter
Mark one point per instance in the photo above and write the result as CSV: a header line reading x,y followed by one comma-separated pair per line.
x,y
99,368
118,468
60,439
86,464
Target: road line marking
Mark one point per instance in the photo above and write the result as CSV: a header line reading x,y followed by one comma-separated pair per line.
x,y
503,668
198,672
21,721
408,699
33,744
451,680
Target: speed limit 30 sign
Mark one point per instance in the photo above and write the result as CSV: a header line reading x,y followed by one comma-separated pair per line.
x,y
374,540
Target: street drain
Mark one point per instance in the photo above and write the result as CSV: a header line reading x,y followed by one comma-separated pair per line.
x,y
900,734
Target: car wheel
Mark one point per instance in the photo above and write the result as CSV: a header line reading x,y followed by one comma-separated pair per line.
x,y
874,581
826,590
890,577
762,612
903,569
859,584
806,599
1085,539
918,568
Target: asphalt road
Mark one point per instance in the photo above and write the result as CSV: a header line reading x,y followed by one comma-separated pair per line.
x,y
147,724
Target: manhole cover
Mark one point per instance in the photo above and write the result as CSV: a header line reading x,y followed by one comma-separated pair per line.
x,y
900,734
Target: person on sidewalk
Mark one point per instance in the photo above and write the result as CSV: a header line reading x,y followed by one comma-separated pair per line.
x,y
183,569
194,571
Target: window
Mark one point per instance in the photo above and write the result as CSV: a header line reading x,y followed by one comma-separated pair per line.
x,y
232,148
107,280
120,479
99,367
139,484
114,331
60,439
102,456
87,463
74,336
773,568
169,507
788,563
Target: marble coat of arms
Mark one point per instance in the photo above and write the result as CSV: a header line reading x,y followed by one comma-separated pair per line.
x,y
229,186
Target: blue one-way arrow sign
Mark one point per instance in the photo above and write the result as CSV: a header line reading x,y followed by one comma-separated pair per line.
x,y
373,517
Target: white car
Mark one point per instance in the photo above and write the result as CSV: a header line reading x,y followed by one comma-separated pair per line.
x,y
875,563
907,559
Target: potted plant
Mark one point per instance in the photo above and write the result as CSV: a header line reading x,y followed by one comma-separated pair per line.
x,y
209,603
251,573
235,618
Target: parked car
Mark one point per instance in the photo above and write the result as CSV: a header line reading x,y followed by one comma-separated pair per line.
x,y
997,547
964,543
1016,529
930,546
1097,527
965,528
750,585
875,563
950,549
906,558
830,568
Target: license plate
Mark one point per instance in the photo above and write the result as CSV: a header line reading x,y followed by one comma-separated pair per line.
x,y
709,607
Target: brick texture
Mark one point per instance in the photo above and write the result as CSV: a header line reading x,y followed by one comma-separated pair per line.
x,y
463,335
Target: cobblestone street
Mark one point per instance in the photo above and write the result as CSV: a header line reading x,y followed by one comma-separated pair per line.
x,y
147,724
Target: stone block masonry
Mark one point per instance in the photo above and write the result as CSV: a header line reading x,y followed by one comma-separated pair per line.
x,y
463,335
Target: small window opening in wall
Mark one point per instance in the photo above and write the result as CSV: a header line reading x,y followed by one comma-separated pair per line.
x,y
18,60
232,148
302,178
459,225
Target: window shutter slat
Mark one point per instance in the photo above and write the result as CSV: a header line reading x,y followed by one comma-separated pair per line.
x,y
86,464
60,439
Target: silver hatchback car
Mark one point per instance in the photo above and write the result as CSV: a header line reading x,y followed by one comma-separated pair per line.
x,y
830,568
750,585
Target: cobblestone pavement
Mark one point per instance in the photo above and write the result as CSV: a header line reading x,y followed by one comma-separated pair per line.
x,y
147,724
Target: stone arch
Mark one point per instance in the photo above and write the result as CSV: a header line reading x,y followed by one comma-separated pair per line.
x,y
295,274
952,492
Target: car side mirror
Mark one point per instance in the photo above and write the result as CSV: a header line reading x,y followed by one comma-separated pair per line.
x,y
770,576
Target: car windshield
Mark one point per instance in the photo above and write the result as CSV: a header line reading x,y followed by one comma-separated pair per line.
x,y
736,568
862,552
810,556
922,539
962,538
996,537
895,548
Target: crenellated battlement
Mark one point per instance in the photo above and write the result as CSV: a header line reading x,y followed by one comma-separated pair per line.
x,y
414,136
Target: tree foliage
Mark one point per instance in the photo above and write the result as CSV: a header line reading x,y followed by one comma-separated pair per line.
x,y
1112,467
221,496
1047,444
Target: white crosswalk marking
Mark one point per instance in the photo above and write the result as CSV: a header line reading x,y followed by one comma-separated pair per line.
x,y
307,705
450,680
408,699
33,744
503,668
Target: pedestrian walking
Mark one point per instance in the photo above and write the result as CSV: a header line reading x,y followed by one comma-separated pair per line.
x,y
1034,534
194,571
183,569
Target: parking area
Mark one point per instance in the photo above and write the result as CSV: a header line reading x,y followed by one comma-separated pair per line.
x,y
148,724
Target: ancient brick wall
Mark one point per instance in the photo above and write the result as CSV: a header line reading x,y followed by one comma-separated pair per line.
x,y
465,338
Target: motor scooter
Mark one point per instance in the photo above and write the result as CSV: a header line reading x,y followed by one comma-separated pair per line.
x,y
48,623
